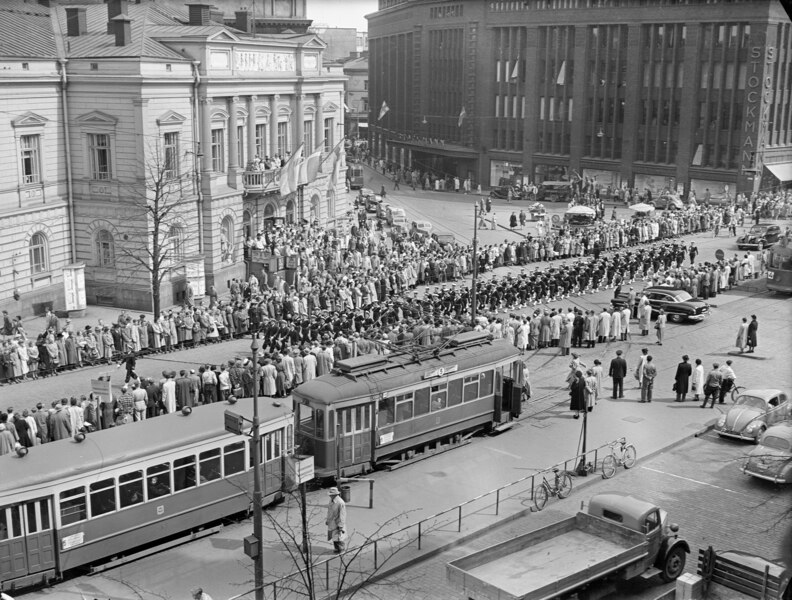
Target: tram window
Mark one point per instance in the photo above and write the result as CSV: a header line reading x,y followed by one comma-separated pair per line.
x,y
454,392
103,498
404,408
72,506
234,458
439,397
10,523
32,521
330,425
3,524
45,514
385,410
183,473
319,427
290,434
421,402
158,481
307,419
130,489
471,389
485,386
210,465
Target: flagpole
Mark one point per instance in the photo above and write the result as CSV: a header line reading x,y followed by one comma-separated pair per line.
x,y
473,285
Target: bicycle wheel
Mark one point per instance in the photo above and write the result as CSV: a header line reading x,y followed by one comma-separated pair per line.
x,y
736,391
608,466
540,496
564,485
629,456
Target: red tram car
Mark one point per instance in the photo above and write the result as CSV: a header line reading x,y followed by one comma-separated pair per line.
x,y
66,504
380,407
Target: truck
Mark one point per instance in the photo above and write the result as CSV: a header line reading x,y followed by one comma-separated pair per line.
x,y
618,538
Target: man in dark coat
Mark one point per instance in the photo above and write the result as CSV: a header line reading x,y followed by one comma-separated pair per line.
x,y
184,392
682,379
577,397
618,371
753,326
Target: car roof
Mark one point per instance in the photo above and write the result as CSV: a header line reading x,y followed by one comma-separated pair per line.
x,y
764,394
782,429
664,288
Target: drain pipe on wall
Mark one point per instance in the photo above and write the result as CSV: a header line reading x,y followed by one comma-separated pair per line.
x,y
198,154
67,142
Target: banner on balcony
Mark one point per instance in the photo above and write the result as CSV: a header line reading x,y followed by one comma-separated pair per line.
x,y
288,178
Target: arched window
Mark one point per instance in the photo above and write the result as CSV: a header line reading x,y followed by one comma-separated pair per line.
x,y
315,200
247,225
176,236
269,210
227,238
331,204
39,254
105,249
290,211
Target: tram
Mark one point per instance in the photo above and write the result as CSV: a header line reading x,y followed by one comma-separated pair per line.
x,y
779,266
381,408
355,176
67,504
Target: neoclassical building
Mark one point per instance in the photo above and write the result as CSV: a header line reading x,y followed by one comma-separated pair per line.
x,y
128,135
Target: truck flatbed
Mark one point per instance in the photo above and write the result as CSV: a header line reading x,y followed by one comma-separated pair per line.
x,y
549,562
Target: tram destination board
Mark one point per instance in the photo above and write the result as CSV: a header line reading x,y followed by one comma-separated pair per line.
x,y
234,423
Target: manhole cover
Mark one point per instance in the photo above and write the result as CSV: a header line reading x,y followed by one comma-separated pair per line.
x,y
540,424
633,419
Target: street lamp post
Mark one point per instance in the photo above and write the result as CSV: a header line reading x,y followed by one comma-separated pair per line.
x,y
257,499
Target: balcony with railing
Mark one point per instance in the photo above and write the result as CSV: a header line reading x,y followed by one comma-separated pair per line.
x,y
261,182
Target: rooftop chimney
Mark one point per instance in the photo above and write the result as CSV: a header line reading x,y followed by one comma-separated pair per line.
x,y
199,14
115,8
76,22
122,28
243,21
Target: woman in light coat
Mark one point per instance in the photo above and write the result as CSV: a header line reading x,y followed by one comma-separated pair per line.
x,y
660,326
697,382
742,335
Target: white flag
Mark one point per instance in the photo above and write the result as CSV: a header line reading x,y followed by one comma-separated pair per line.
x,y
383,110
561,79
462,115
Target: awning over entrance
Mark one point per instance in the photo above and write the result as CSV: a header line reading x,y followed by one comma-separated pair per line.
x,y
782,171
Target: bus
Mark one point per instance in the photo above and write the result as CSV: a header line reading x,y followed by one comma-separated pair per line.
x,y
380,409
70,504
355,176
779,266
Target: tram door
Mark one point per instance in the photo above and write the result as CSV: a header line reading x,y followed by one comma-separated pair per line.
x,y
354,434
27,541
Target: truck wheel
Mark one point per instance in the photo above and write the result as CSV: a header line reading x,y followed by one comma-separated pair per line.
x,y
674,564
540,497
608,467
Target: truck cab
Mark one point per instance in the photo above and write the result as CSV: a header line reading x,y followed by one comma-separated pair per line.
x,y
668,550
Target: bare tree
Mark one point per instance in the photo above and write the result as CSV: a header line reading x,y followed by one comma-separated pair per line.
x,y
161,201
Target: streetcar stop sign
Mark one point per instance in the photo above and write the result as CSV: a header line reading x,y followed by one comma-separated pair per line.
x,y
719,254
556,218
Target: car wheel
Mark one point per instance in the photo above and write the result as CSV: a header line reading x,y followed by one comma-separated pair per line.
x,y
675,318
674,564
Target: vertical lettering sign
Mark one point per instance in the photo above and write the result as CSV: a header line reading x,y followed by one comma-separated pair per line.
x,y
758,95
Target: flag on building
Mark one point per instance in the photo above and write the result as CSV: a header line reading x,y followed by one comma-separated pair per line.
x,y
561,79
462,115
336,164
516,68
383,110
310,167
288,175
346,108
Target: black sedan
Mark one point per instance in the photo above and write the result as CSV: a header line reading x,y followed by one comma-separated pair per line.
x,y
678,304
759,237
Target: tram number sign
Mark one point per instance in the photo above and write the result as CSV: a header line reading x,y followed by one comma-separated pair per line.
x,y
441,371
770,275
234,422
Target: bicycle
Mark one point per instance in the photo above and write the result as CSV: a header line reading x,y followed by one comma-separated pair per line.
x,y
624,456
736,391
561,487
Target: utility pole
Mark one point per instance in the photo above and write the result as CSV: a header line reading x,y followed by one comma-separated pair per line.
x,y
257,498
473,286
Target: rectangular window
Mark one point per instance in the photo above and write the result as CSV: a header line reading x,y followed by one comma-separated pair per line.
x,y
485,383
158,481
273,447
209,465
421,402
73,507
439,397
130,489
183,473
470,389
455,392
99,155
328,135
385,412
218,150
319,423
234,458
404,407
10,523
261,140
308,137
103,498
283,139
240,145
170,146
31,159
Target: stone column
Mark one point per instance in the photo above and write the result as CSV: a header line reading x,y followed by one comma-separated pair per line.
x,y
318,122
251,129
299,118
206,135
273,124
233,142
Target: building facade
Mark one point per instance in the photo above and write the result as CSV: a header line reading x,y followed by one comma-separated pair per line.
x,y
134,132
652,94
357,102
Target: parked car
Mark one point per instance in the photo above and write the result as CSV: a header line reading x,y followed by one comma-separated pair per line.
x,y
668,202
555,191
679,305
752,413
537,211
382,210
395,215
421,229
444,239
759,237
772,458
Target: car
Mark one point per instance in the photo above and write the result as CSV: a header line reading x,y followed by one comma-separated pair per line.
x,y
444,239
395,215
752,413
772,458
421,229
537,211
382,210
668,202
555,191
679,305
759,237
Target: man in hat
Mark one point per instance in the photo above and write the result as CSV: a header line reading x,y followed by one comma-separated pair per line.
x,y
336,520
199,594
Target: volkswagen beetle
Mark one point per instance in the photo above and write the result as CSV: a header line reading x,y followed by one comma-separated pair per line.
x,y
772,458
753,412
